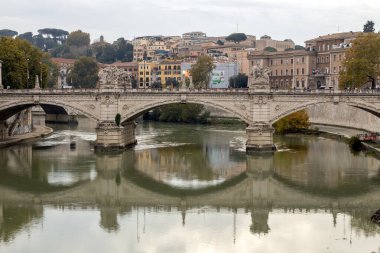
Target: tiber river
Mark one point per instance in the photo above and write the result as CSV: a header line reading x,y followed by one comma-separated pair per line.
x,y
187,188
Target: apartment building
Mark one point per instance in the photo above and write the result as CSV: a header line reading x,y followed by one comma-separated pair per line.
x,y
130,67
169,70
64,66
280,45
330,50
317,67
146,75
289,69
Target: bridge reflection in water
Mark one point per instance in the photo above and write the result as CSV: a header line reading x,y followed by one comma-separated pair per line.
x,y
123,183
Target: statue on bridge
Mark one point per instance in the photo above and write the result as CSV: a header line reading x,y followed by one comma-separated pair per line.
x,y
260,78
114,77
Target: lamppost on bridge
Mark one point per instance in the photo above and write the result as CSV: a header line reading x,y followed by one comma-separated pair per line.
x,y
1,77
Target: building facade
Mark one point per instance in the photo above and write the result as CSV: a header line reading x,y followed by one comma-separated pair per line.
x,y
280,45
64,66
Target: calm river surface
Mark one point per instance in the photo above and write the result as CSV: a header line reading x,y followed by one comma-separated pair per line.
x,y
186,188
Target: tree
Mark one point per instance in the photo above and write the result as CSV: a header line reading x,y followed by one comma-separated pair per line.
x,y
299,47
84,73
220,43
156,85
104,52
362,63
28,36
369,27
236,37
171,82
201,70
270,49
78,39
186,113
53,37
238,81
8,33
58,35
22,62
124,50
292,123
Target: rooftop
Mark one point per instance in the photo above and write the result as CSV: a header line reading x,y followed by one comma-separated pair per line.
x,y
335,36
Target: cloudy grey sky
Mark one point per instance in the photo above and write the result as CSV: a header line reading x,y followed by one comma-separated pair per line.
x,y
295,19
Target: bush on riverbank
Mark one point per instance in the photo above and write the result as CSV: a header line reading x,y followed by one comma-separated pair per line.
x,y
293,123
355,143
184,113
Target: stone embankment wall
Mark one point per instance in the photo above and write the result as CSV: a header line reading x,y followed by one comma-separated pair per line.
x,y
343,115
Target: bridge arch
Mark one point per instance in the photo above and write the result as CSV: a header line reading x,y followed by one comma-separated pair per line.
x,y
9,109
131,115
298,107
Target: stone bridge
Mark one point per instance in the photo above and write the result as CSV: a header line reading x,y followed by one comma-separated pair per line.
x,y
259,109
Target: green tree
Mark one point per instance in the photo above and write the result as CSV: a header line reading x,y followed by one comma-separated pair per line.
x,y
124,50
104,52
220,43
84,73
170,82
369,27
201,71
270,49
362,62
78,39
185,113
8,33
28,36
238,81
299,47
22,62
292,123
156,85
236,37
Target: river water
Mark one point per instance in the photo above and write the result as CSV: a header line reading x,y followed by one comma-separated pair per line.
x,y
187,188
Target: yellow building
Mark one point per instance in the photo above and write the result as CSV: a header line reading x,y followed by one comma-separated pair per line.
x,y
147,74
150,72
169,69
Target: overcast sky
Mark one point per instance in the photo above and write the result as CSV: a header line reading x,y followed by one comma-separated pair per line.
x,y
282,19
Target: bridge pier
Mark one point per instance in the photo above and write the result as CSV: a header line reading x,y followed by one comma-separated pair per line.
x,y
260,138
3,130
109,136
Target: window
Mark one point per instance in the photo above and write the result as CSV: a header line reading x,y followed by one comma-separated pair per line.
x,y
303,71
334,57
291,61
303,59
297,71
